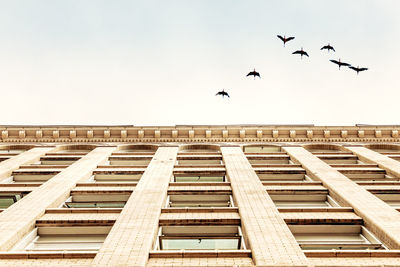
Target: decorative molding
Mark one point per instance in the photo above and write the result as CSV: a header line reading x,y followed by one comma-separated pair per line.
x,y
197,134
56,134
72,134
89,134
22,134
242,133
124,134
4,135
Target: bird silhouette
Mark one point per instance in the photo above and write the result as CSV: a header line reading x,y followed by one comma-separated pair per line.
x,y
328,47
284,39
301,53
358,69
223,93
254,73
339,63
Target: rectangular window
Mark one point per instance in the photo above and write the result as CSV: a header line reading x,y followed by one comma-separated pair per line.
x,y
64,239
340,237
7,199
117,175
281,174
200,238
128,160
59,159
96,201
391,199
175,201
34,175
304,201
198,175
268,159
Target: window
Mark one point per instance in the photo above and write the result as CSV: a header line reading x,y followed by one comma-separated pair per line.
x,y
7,199
117,175
34,175
59,159
391,199
198,175
261,149
204,200
96,201
326,237
306,200
199,160
268,159
224,237
128,160
281,174
54,238
339,159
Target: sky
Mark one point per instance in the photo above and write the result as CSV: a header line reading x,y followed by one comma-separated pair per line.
x,y
102,62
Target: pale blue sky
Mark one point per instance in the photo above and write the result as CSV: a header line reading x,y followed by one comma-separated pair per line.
x,y
161,62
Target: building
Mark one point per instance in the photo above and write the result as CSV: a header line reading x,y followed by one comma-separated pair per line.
x,y
294,195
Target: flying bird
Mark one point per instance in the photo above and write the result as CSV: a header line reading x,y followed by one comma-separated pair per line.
x,y
223,93
301,53
284,39
339,63
328,47
254,73
358,69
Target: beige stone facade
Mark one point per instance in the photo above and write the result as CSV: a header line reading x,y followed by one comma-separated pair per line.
x,y
243,195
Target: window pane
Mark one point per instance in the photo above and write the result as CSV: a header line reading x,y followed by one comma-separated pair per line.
x,y
199,178
204,243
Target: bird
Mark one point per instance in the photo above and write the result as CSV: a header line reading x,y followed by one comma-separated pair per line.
x,y
301,52
284,39
358,69
254,73
328,47
339,63
223,93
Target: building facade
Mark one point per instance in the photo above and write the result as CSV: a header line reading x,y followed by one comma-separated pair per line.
x,y
242,195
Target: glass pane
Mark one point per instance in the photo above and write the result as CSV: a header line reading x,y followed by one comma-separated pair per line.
x,y
200,204
199,178
204,243
316,204
66,246
6,202
330,238
95,204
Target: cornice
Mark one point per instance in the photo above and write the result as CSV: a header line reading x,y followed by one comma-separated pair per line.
x,y
201,134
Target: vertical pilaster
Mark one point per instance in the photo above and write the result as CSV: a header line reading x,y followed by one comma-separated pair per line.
x,y
132,236
26,157
20,218
269,238
379,217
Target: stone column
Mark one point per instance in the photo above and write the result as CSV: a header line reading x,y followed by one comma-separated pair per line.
x,y
20,218
379,217
268,236
136,227
27,157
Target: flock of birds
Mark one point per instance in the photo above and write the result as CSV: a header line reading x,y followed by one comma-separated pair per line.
x,y
302,53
